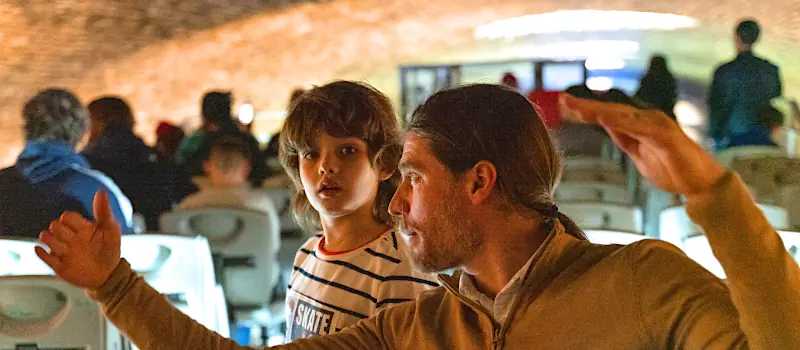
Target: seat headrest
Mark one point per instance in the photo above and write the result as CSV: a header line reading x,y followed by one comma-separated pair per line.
x,y
767,175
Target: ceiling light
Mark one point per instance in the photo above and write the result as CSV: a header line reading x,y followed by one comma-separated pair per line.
x,y
582,21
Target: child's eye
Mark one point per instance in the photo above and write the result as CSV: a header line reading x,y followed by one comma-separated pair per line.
x,y
309,155
349,150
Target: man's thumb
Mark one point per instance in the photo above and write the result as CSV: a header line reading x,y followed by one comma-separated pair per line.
x,y
102,210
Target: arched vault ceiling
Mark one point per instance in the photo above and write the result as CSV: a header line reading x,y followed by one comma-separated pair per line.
x,y
162,54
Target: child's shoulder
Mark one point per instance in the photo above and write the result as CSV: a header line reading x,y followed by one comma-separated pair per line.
x,y
309,245
312,241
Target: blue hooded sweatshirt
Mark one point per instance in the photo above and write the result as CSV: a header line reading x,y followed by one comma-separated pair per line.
x,y
49,174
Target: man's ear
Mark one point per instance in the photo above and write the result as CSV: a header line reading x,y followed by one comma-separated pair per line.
x,y
480,181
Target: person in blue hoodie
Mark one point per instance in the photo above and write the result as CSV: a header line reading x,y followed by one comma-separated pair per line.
x,y
49,176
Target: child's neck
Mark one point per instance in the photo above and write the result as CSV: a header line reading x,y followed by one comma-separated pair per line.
x,y
351,232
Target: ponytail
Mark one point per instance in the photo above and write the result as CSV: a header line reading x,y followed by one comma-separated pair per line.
x,y
550,215
571,228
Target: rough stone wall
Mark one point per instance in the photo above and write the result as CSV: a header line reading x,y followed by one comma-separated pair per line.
x,y
162,54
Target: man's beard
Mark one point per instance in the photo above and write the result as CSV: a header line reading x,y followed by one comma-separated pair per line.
x,y
445,245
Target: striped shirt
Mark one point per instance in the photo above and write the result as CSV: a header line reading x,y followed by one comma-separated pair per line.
x,y
330,292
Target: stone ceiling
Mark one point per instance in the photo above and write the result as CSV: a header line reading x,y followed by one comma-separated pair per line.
x,y
162,54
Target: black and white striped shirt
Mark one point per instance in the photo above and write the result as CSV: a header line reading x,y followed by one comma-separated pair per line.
x,y
330,292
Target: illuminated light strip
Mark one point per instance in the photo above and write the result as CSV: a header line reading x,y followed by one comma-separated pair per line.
x,y
582,21
573,50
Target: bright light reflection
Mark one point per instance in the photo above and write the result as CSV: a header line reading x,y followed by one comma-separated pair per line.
x,y
582,21
688,114
246,113
600,83
604,63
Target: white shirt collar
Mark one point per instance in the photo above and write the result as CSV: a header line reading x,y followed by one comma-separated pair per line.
x,y
500,307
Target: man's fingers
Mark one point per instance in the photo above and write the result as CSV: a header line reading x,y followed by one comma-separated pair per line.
x,y
102,210
63,232
627,144
49,259
586,111
57,246
618,117
75,222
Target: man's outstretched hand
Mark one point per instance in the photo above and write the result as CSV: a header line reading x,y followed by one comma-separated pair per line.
x,y
82,252
656,144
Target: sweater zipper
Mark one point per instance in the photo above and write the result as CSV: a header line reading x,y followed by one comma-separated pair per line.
x,y
497,337
498,331
496,334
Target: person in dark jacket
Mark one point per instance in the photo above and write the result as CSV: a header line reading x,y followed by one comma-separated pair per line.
x,y
153,183
215,119
740,88
658,88
218,123
49,176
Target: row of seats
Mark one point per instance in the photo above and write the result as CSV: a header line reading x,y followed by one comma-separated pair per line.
x,y
213,261
597,195
36,308
246,246
39,312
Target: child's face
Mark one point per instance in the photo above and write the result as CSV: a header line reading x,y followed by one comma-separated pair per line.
x,y
337,176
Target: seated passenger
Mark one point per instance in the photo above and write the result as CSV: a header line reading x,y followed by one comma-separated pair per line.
x,y
227,169
50,176
768,121
153,183
217,123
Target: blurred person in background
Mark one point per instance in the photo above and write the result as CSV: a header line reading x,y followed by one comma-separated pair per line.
x,y
510,80
218,122
168,139
768,122
49,175
216,114
658,88
153,183
227,170
741,88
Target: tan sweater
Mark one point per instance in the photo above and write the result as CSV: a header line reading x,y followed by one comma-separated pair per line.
x,y
575,296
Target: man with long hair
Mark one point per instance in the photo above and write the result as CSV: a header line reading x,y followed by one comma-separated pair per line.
x,y
479,171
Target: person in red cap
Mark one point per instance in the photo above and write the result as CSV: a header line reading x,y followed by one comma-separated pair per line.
x,y
168,138
510,80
